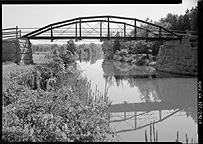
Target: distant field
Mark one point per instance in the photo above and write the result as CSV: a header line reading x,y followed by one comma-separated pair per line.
x,y
9,66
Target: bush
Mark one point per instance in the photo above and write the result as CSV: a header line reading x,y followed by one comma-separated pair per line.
x,y
67,112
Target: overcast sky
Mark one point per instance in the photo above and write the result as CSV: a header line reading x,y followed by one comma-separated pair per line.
x,y
40,15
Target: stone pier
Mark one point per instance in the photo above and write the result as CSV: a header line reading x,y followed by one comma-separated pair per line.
x,y
17,50
177,56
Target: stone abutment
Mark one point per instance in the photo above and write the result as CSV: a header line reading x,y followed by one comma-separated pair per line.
x,y
18,51
177,56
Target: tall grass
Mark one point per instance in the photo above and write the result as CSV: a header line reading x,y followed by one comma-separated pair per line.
x,y
51,103
153,136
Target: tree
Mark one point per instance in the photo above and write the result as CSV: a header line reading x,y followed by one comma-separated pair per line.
x,y
107,48
71,46
193,14
117,43
93,48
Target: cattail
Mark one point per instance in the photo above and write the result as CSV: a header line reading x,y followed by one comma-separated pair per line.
x,y
177,137
153,131
146,136
186,138
157,136
150,128
192,141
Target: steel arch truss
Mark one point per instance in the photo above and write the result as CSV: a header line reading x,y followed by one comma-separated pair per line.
x,y
102,27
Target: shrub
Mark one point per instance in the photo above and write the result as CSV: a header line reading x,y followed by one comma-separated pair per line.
x,y
68,112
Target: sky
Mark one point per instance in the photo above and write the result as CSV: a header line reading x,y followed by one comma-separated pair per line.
x,y
35,16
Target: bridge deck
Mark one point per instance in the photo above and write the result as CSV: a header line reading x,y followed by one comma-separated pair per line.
x,y
95,37
148,106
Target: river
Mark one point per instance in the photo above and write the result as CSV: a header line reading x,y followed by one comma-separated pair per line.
x,y
168,101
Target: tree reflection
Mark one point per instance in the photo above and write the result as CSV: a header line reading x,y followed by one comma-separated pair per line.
x,y
166,87
89,53
118,72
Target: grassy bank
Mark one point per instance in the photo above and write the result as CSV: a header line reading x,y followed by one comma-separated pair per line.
x,y
52,103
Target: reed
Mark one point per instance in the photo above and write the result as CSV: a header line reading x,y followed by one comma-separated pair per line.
x,y
146,136
177,138
153,135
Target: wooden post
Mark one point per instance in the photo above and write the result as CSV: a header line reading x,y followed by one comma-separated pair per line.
x,y
51,35
100,31
108,29
76,39
135,30
80,28
16,32
16,51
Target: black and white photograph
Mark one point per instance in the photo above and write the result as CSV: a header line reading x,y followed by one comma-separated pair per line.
x,y
100,72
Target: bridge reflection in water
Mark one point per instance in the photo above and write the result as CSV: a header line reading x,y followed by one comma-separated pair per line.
x,y
173,95
140,95
144,108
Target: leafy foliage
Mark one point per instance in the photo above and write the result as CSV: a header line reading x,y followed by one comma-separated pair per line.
x,y
188,21
107,48
89,52
71,46
52,104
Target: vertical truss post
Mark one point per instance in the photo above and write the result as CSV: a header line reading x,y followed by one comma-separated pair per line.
x,y
51,35
160,115
124,30
108,29
135,114
76,32
124,115
146,35
135,30
20,32
159,32
80,28
100,31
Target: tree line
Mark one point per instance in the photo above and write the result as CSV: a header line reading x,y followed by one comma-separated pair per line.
x,y
175,22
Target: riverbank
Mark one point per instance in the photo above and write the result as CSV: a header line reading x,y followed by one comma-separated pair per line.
x,y
131,84
134,59
48,102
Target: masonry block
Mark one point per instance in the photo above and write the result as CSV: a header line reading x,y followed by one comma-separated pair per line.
x,y
177,57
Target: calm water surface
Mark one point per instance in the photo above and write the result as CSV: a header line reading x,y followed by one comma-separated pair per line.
x,y
175,98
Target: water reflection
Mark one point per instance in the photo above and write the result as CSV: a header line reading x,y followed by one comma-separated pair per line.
x,y
169,92
168,100
90,57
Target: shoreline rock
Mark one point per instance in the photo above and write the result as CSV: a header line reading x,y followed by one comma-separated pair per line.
x,y
134,59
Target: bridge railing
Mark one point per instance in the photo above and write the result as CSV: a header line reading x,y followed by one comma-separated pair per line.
x,y
187,33
71,32
11,33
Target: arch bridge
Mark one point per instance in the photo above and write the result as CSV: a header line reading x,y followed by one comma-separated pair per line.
x,y
102,27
